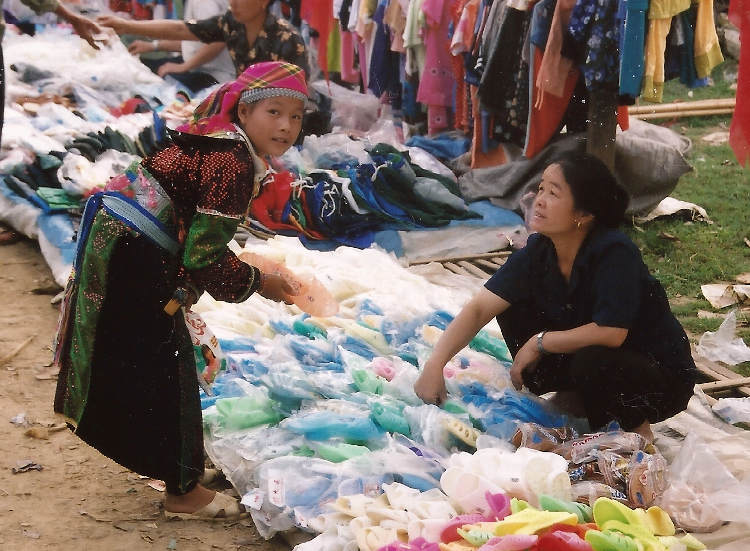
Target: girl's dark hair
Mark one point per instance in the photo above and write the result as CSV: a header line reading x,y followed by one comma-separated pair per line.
x,y
595,189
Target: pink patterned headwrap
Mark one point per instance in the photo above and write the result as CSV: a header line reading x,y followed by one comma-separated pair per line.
x,y
259,81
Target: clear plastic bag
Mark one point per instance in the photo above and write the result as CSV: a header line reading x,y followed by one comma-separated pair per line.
x,y
209,358
723,345
702,492
584,448
537,437
351,110
733,410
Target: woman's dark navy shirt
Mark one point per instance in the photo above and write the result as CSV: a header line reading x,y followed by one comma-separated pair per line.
x,y
609,285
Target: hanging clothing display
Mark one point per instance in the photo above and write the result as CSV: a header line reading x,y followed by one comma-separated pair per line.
x,y
505,72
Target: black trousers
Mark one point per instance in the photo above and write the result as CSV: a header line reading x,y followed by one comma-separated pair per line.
x,y
617,384
614,384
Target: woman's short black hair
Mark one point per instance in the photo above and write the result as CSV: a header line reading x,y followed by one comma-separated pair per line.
x,y
595,189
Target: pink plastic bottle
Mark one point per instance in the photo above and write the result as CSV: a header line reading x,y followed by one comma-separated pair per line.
x,y
383,368
312,298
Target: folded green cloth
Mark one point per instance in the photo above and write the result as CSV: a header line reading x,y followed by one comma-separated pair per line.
x,y
58,198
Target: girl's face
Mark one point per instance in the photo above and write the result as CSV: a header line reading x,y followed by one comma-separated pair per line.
x,y
554,207
272,124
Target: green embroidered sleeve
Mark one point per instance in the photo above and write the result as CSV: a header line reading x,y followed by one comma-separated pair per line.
x,y
206,241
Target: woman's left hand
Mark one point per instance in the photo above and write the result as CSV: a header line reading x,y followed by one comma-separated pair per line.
x,y
526,358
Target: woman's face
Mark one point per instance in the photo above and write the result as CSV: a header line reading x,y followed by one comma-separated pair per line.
x,y
554,208
247,10
272,124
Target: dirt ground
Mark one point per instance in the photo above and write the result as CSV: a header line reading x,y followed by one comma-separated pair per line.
x,y
77,499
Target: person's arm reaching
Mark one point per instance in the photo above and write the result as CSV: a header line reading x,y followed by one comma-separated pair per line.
x,y
485,305
205,54
138,47
563,342
84,27
166,29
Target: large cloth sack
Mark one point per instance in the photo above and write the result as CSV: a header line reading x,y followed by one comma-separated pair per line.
x,y
649,160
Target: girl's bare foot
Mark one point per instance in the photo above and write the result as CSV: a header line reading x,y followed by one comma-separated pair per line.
x,y
195,499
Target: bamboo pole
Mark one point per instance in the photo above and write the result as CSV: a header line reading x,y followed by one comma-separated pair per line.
x,y
456,269
683,106
725,384
462,257
488,264
469,267
679,114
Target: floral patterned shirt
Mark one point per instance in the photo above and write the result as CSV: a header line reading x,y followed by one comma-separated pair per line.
x,y
39,7
277,40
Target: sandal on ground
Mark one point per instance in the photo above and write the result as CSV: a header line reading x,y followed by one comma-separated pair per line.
x,y
221,508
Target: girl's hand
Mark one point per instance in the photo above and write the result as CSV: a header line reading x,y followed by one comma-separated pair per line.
x,y
430,386
526,358
277,288
87,29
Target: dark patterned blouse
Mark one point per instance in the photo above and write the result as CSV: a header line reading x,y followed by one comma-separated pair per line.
x,y
276,41
211,189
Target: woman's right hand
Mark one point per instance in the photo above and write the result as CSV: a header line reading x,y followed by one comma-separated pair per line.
x,y
278,288
430,386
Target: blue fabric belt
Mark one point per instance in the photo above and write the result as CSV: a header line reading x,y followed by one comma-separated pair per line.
x,y
132,214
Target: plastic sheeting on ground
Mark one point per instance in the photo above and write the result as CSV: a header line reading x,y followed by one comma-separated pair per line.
x,y
332,398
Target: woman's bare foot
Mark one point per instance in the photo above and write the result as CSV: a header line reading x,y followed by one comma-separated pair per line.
x,y
195,499
644,429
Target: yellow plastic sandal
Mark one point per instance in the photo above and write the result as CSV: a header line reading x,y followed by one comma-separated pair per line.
x,y
657,520
468,435
530,521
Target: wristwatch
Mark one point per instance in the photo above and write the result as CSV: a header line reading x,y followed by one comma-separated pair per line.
x,y
539,343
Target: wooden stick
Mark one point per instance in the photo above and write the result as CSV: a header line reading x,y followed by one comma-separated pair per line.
x,y
469,267
456,269
8,357
724,385
463,257
683,106
722,373
679,114
488,263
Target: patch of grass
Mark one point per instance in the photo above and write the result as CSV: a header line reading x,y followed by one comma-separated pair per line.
x,y
685,254
722,78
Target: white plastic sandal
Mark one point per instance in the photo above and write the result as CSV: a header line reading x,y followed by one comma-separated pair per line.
x,y
222,508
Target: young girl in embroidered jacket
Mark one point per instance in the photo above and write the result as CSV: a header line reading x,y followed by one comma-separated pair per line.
x,y
155,240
